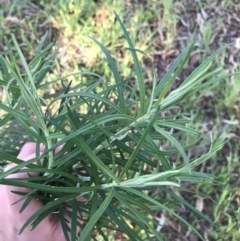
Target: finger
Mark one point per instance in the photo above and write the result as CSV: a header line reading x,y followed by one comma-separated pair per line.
x,y
29,149
13,197
22,174
27,152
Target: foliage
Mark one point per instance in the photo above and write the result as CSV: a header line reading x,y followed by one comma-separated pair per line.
x,y
118,142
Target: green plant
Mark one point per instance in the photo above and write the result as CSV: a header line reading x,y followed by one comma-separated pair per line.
x,y
27,21
117,142
77,20
226,215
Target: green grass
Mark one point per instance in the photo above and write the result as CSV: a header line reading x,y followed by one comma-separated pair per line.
x,y
162,29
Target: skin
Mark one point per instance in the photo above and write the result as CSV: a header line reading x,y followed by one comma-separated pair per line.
x,y
11,220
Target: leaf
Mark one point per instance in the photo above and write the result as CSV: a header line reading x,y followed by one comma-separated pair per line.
x,y
90,225
137,66
47,188
137,148
45,210
192,82
114,70
139,216
162,207
170,76
74,219
65,226
95,159
176,144
123,225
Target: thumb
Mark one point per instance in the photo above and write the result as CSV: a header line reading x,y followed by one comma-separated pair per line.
x,y
13,198
28,152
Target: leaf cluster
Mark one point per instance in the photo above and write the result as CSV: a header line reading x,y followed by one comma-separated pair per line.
x,y
117,142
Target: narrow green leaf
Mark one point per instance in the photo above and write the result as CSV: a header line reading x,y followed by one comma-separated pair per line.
x,y
162,207
138,216
176,144
46,210
20,165
121,222
137,66
40,45
115,72
183,57
94,158
18,113
74,218
64,225
90,225
139,145
47,188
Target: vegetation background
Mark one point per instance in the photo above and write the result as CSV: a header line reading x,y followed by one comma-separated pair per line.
x,y
161,28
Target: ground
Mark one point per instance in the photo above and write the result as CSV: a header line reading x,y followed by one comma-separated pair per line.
x,y
162,29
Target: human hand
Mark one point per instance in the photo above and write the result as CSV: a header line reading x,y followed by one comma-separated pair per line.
x,y
11,220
